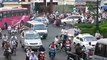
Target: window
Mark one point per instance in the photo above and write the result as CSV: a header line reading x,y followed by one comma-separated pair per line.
x,y
29,25
4,14
23,34
101,50
40,27
23,0
29,0
81,39
9,14
1,15
77,37
32,36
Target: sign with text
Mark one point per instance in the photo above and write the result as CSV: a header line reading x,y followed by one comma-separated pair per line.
x,y
10,0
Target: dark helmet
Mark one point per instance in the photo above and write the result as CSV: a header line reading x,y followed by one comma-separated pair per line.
x,y
4,34
78,44
57,36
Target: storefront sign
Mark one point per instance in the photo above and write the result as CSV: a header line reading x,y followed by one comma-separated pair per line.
x,y
10,0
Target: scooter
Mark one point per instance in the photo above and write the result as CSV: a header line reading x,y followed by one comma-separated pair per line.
x,y
41,55
52,54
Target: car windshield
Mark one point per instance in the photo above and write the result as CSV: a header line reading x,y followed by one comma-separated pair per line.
x,y
38,19
32,36
73,17
40,27
89,39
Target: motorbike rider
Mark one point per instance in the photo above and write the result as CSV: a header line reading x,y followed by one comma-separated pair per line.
x,y
52,45
65,37
41,48
33,56
7,49
13,37
78,49
5,38
41,52
56,40
13,44
52,49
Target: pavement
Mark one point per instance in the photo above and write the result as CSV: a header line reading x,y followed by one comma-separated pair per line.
x,y
20,54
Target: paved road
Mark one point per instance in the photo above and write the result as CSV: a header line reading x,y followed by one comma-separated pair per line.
x,y
53,31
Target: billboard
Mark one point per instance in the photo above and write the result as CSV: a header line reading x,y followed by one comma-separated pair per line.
x,y
10,0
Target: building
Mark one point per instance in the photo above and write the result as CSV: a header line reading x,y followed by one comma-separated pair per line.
x,y
1,3
17,3
66,2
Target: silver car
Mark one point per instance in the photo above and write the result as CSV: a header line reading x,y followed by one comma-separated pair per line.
x,y
30,38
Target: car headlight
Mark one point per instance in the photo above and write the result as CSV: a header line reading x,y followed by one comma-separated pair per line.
x,y
26,43
40,43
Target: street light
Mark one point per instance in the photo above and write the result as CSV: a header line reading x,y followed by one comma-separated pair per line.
x,y
97,21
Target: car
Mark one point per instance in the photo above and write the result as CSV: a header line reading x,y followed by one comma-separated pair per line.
x,y
30,38
39,27
84,39
73,19
42,19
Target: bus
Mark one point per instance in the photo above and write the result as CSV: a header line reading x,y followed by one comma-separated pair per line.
x,y
100,52
13,16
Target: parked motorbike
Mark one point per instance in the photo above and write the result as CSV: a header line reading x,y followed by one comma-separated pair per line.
x,y
41,56
52,54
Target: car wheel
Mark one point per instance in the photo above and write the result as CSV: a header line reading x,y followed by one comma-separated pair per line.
x,y
22,46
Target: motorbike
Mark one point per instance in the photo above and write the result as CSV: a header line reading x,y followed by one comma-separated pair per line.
x,y
14,50
90,54
67,46
7,54
3,44
41,55
72,56
52,54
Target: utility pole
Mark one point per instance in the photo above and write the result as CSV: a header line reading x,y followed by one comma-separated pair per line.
x,y
44,5
51,7
97,20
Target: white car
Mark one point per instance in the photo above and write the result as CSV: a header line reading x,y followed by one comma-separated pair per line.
x,y
39,27
30,38
84,39
42,19
71,19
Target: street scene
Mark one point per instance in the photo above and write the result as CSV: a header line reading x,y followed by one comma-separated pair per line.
x,y
53,30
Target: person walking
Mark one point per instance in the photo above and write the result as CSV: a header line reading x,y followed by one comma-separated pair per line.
x,y
33,56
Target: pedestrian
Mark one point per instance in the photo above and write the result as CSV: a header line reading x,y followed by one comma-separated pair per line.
x,y
33,56
28,53
9,29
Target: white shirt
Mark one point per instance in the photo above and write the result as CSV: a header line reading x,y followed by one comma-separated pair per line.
x,y
56,40
9,27
14,37
33,57
5,38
